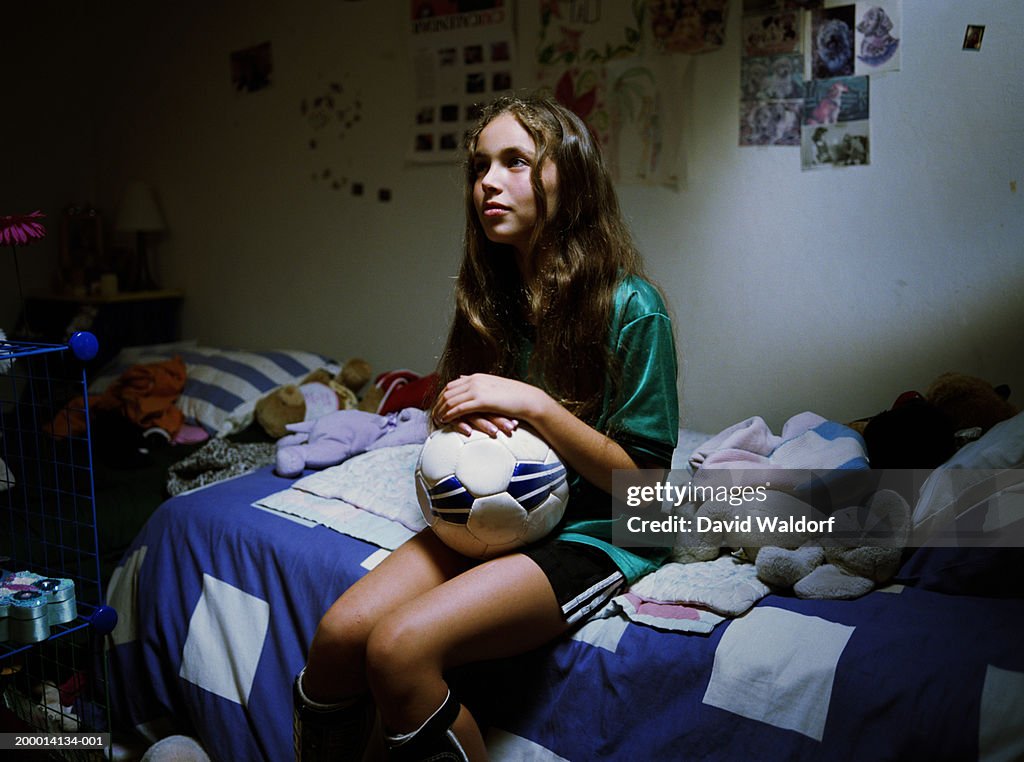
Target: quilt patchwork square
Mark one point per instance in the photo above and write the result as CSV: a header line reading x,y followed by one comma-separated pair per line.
x,y
1001,725
778,667
225,640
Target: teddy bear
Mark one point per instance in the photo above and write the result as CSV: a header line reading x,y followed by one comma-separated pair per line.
x,y
318,393
794,545
969,402
924,430
337,436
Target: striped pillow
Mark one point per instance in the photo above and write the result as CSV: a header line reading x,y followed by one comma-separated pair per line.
x,y
223,385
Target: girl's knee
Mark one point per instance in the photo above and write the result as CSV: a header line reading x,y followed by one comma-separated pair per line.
x,y
339,631
396,647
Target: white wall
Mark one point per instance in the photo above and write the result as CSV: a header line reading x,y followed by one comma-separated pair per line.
x,y
831,291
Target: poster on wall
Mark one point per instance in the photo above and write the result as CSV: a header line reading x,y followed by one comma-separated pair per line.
x,y
462,56
771,79
577,39
687,26
855,38
877,36
613,65
835,131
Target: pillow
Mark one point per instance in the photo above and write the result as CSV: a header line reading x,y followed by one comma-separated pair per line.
x,y
957,485
223,385
970,517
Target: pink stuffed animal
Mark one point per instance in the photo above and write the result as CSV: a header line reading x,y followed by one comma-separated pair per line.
x,y
337,436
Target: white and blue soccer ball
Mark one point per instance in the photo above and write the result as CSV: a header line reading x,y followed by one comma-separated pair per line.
x,y
486,496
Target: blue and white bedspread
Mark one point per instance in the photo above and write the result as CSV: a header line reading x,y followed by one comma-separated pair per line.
x,y
218,601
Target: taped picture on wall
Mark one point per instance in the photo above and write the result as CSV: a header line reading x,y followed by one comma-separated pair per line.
x,y
251,68
772,99
878,34
973,37
835,130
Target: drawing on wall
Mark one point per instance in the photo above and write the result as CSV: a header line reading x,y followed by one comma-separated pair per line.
x,y
836,122
251,68
330,115
647,109
577,39
591,57
687,26
832,42
877,38
462,54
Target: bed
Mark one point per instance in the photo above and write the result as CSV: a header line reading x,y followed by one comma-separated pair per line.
x,y
221,590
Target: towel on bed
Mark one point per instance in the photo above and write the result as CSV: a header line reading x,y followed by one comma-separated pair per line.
x,y
693,597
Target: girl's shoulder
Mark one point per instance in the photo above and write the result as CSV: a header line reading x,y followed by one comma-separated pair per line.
x,y
636,297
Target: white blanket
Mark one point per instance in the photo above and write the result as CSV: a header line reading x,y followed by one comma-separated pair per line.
x,y
371,497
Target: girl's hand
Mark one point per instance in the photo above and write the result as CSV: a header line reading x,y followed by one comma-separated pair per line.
x,y
486,403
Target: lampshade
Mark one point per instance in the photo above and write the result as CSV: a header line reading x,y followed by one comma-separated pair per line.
x,y
138,211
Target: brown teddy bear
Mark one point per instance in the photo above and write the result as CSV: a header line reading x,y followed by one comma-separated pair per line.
x,y
924,430
970,402
319,393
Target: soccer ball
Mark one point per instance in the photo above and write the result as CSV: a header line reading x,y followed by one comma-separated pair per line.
x,y
484,496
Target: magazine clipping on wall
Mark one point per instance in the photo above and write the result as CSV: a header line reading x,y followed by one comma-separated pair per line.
x,y
805,75
462,56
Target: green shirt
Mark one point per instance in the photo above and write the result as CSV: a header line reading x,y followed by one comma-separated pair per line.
x,y
643,418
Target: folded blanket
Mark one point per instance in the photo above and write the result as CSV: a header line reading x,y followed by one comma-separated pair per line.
x,y
371,497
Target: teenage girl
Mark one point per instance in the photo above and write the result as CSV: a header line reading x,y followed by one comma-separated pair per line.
x,y
555,326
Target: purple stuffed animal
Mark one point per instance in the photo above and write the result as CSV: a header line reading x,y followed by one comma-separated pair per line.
x,y
332,438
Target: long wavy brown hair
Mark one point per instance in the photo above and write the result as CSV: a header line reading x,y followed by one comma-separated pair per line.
x,y
579,251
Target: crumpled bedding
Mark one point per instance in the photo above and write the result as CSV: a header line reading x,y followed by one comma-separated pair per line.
x,y
144,394
808,441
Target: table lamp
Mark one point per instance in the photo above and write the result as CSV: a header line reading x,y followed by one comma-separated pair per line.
x,y
140,214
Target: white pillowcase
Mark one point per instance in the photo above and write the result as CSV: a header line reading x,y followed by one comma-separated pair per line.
x,y
977,473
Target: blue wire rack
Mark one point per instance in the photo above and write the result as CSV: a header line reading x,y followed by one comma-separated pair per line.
x,y
55,679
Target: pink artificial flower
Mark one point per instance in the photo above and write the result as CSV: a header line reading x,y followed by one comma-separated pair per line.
x,y
20,229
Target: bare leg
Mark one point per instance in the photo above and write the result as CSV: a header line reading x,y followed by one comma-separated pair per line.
x,y
336,665
500,608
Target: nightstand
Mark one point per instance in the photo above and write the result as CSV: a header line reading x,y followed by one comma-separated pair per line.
x,y
121,320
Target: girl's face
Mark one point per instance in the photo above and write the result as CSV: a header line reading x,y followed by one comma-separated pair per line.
x,y
502,194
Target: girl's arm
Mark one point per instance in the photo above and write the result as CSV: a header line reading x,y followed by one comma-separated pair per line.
x,y
493,405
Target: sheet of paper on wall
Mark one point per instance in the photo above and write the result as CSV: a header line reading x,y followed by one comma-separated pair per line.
x,y
687,26
878,35
836,123
771,78
576,40
462,57
591,57
647,106
855,38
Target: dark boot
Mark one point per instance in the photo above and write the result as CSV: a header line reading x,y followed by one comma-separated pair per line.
x,y
434,740
331,732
